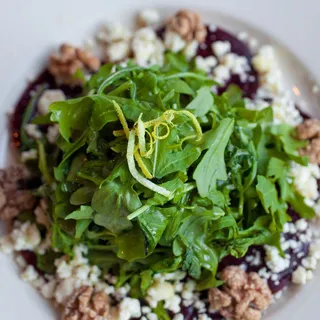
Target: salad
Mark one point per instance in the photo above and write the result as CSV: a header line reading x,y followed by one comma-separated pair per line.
x,y
164,173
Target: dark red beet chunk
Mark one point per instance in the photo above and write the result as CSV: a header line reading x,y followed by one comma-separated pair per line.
x,y
238,47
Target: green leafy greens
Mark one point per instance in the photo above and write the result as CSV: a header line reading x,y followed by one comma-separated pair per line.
x,y
156,172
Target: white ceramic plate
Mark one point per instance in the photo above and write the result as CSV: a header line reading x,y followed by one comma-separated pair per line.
x,y
30,29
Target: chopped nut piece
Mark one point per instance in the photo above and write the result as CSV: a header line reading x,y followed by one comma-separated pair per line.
x,y
243,296
64,65
234,277
312,150
84,304
308,129
219,299
188,25
12,200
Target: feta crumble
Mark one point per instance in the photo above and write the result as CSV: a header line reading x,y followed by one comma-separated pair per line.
x,y
147,48
129,308
118,51
206,64
31,154
221,48
48,97
32,131
173,41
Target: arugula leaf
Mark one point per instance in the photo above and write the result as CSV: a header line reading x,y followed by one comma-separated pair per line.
x,y
212,166
202,103
161,312
81,226
153,223
113,202
268,194
131,245
85,212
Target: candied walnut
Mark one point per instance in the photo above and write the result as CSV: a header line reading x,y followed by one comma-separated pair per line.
x,y
312,150
308,129
64,65
13,200
219,299
84,304
242,297
188,25
251,314
234,277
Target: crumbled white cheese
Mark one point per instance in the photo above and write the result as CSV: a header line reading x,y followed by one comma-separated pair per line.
x,y
49,96
159,291
113,32
31,154
64,270
206,64
274,261
301,225
285,111
309,263
25,236
243,36
204,317
253,43
146,310
177,275
82,272
178,316
299,276
314,249
147,48
129,308
221,48
173,304
30,274
264,273
173,41
190,286
257,104
117,51
152,316
65,288
148,17
52,133
221,74
305,179
48,289
199,304
191,49
33,131
238,65
265,60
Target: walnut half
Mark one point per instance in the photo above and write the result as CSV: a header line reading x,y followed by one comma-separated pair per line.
x,y
85,304
242,297
12,200
188,25
64,65
310,129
